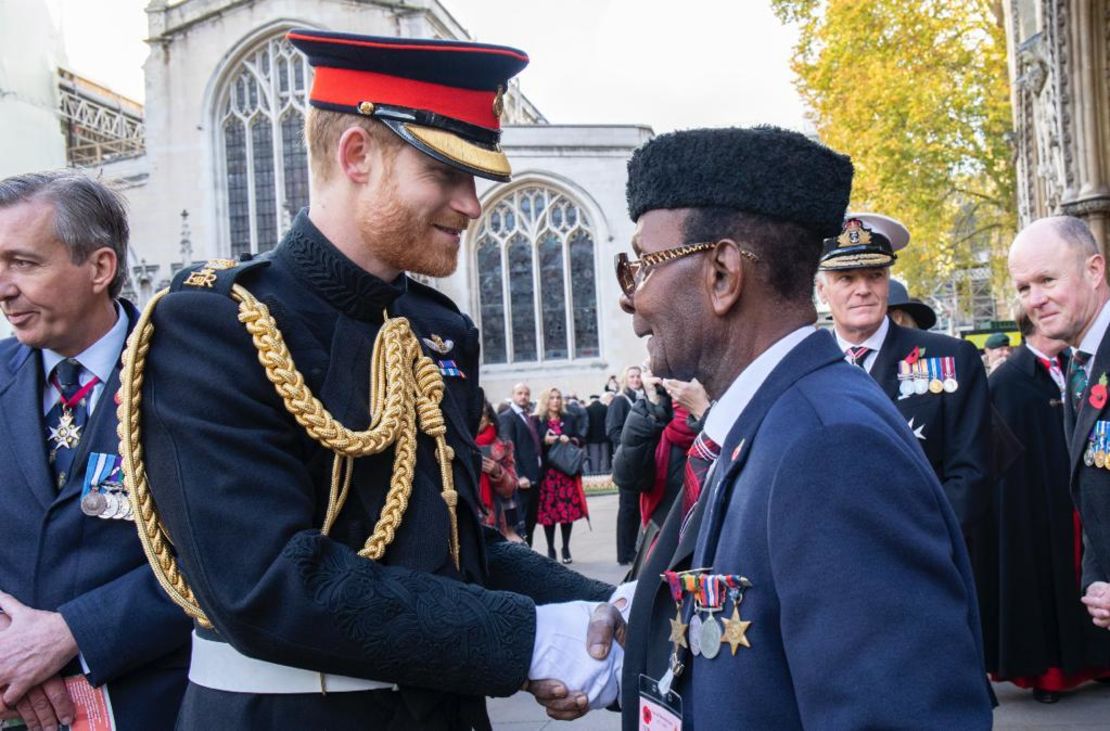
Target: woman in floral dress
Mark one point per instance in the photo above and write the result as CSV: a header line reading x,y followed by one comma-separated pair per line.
x,y
561,499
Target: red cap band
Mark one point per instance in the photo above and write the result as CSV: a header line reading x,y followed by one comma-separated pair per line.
x,y
347,88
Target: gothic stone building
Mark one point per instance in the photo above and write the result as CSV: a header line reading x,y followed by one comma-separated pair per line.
x,y
225,170
1060,83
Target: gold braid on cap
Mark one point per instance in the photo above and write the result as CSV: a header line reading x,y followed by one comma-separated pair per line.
x,y
405,388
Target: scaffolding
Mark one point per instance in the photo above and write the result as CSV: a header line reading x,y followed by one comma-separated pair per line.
x,y
99,124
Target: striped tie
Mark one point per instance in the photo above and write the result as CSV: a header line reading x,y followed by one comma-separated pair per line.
x,y
856,356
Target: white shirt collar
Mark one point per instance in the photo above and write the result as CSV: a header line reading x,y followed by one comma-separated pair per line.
x,y
101,357
728,407
1093,339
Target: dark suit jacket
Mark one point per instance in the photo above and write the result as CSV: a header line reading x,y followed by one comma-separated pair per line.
x,y
245,494
954,429
822,499
1090,485
511,427
91,570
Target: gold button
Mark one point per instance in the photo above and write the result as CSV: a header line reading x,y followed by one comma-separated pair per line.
x,y
366,108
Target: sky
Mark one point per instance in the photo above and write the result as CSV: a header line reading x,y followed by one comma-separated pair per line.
x,y
666,64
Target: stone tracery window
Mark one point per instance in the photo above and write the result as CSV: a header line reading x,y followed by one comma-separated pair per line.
x,y
260,115
537,290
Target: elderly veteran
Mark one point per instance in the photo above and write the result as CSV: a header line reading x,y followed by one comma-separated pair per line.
x,y
306,427
793,593
937,382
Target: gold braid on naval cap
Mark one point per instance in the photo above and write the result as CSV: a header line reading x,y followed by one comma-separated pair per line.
x,y
405,387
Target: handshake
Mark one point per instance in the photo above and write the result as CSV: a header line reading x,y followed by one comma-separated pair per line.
x,y
576,665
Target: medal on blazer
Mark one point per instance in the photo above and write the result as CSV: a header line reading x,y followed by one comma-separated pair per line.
x,y
709,586
905,379
1099,438
950,382
920,378
736,629
936,385
678,627
67,435
693,630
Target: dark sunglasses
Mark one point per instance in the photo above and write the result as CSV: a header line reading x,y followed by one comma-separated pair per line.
x,y
631,273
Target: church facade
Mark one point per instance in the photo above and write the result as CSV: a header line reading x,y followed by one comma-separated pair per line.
x,y
1059,52
225,170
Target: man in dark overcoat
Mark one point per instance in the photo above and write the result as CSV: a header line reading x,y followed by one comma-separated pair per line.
x,y
80,605
1036,632
1059,273
337,570
515,425
820,580
937,382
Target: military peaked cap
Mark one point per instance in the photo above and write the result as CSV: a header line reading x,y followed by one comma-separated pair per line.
x,y
865,240
444,98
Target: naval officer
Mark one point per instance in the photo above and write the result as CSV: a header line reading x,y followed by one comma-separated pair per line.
x,y
937,382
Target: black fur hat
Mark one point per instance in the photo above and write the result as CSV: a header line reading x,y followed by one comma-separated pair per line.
x,y
763,170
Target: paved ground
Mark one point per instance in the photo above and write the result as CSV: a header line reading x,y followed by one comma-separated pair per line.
x,y
595,555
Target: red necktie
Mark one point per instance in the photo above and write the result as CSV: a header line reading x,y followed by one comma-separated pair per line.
x,y
699,458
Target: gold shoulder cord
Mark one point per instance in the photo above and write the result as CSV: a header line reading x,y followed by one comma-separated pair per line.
x,y
405,385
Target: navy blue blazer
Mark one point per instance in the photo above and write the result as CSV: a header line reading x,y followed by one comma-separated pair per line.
x,y
862,604
91,570
1090,484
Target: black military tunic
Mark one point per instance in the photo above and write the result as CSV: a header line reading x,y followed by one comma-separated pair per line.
x,y
243,491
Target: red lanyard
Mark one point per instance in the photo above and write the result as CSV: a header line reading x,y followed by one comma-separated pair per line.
x,y
76,397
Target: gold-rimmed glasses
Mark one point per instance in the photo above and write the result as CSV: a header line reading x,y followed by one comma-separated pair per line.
x,y
631,273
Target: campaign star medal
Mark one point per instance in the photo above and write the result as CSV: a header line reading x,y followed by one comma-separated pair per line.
x,y
678,627
736,629
854,234
67,435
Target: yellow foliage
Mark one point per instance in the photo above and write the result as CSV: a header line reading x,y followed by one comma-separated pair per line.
x,y
918,94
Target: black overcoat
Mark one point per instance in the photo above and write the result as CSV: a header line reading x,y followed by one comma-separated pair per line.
x,y
1033,619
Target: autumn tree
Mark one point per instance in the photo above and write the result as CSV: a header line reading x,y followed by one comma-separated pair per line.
x,y
918,94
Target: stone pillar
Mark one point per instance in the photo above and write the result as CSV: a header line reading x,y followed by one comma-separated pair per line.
x,y
1089,72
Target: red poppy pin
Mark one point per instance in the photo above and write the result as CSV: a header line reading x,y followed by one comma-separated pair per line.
x,y
916,353
1098,393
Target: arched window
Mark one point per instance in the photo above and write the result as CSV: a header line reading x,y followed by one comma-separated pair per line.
x,y
537,291
260,116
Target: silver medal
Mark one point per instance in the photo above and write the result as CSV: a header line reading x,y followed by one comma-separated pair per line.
x,y
92,504
906,388
110,504
710,637
695,634
122,503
